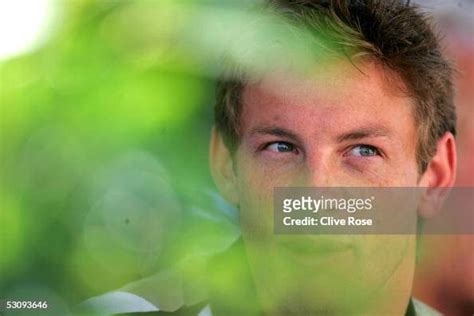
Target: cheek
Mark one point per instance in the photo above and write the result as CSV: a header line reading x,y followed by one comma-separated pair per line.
x,y
395,171
255,188
386,257
256,194
404,173
254,179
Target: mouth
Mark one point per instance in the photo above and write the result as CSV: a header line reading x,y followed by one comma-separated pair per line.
x,y
310,249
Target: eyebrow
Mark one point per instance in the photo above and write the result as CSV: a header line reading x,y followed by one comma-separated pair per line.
x,y
275,131
355,134
361,133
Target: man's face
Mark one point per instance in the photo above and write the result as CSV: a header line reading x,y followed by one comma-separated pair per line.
x,y
344,126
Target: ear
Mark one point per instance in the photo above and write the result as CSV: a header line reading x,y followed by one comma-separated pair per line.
x,y
222,170
439,177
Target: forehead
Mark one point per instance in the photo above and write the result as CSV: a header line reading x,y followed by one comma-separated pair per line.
x,y
337,95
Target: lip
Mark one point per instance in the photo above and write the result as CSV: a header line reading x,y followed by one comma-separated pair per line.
x,y
312,248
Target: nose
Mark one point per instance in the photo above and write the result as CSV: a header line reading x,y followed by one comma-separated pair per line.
x,y
316,171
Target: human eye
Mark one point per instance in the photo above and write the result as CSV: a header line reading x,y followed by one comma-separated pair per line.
x,y
363,151
280,147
